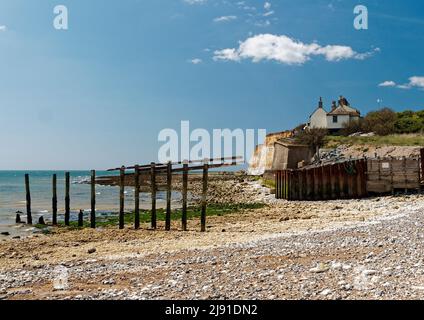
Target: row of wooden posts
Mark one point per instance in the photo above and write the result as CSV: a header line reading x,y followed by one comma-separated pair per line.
x,y
153,168
335,181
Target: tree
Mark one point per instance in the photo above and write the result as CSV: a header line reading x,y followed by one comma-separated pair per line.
x,y
314,138
381,122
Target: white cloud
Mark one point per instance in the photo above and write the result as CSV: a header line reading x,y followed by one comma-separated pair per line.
x,y
195,1
225,18
269,13
414,82
267,6
196,61
3,28
387,84
286,50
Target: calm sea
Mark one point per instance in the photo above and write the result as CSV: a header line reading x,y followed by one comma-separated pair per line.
x,y
12,195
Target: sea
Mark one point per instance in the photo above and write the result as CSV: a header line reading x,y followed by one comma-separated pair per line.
x,y
13,198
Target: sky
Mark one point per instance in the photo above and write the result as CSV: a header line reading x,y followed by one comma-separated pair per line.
x,y
97,95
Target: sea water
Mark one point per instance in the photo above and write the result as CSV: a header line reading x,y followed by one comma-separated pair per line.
x,y
13,198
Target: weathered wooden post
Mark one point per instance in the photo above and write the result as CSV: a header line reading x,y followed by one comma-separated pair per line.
x,y
185,186
204,196
93,199
168,196
67,198
54,199
422,163
121,197
28,199
81,218
137,197
153,191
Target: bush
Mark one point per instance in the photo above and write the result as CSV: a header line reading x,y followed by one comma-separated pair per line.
x,y
352,127
382,122
410,122
315,138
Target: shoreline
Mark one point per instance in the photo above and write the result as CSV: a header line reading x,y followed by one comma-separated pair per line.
x,y
233,242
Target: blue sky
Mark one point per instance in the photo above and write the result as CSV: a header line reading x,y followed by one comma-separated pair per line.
x,y
97,95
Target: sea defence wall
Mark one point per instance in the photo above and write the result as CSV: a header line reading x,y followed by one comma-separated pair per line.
x,y
262,159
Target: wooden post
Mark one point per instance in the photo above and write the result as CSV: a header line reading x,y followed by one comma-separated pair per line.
x,y
122,198
325,178
153,191
28,199
80,219
422,163
277,189
204,196
168,196
405,172
67,198
137,197
341,179
54,199
93,199
185,186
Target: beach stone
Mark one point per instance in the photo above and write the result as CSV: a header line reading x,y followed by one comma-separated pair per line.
x,y
92,250
320,268
5,233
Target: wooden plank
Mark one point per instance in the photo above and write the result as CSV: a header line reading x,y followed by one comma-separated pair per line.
x,y
28,199
185,187
355,179
122,198
163,166
168,197
93,200
153,193
67,198
204,198
136,197
54,199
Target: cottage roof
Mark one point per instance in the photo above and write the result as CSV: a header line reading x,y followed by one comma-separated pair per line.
x,y
343,110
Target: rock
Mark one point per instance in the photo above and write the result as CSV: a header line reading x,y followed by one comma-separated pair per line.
x,y
320,268
91,251
5,233
18,218
325,292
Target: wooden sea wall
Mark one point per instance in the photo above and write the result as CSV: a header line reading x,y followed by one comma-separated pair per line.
x,y
336,181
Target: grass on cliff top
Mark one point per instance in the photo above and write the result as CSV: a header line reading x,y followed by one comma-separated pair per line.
x,y
410,140
145,215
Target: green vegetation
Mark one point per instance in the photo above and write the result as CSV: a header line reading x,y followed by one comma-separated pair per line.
x,y
145,216
389,140
387,122
269,183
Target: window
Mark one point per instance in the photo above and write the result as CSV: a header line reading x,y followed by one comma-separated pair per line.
x,y
335,120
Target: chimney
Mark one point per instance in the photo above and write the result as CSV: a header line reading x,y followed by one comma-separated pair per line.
x,y
321,104
333,106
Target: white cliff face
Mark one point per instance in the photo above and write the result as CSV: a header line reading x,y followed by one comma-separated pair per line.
x,y
257,164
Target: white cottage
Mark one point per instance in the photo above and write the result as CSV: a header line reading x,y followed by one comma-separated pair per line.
x,y
335,119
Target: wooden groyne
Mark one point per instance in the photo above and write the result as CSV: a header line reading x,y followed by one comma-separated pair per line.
x,y
144,178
